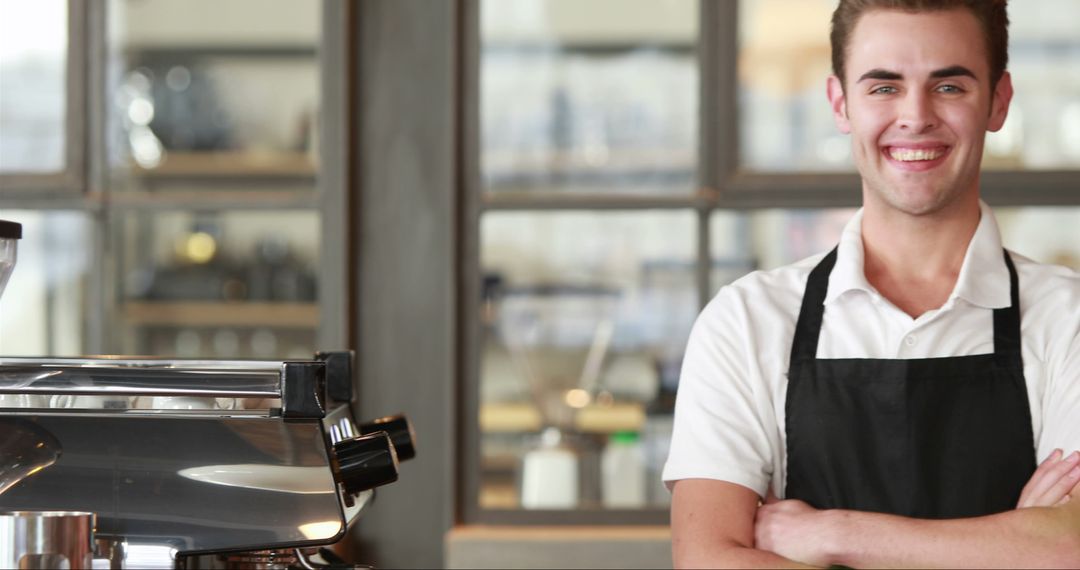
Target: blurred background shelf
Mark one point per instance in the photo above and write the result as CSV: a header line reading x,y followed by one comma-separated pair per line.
x,y
205,200
230,164
521,417
221,314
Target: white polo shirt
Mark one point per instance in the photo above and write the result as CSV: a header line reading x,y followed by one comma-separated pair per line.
x,y
729,412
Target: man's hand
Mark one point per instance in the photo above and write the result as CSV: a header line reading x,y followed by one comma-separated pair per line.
x,y
792,529
797,531
712,526
1053,482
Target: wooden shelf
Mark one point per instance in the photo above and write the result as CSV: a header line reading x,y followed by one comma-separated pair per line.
x,y
255,199
230,164
524,418
221,314
513,165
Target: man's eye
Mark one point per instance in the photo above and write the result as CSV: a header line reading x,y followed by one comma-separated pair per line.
x,y
883,90
949,89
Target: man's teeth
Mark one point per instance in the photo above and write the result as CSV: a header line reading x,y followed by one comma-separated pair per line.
x,y
910,155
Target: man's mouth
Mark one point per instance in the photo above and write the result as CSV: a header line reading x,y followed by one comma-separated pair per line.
x,y
916,154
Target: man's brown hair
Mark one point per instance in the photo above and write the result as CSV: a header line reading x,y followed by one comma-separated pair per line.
x,y
991,14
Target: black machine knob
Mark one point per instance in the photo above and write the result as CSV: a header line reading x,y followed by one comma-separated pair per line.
x,y
400,431
366,461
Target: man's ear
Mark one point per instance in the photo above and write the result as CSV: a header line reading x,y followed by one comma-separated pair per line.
x,y
999,105
834,90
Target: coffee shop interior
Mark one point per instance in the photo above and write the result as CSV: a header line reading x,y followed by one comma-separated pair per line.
x,y
511,213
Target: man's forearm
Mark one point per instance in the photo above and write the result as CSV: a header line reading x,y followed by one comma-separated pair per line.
x,y
1023,538
735,557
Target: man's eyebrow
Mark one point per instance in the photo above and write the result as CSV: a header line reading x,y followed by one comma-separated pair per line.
x,y
886,75
952,71
881,74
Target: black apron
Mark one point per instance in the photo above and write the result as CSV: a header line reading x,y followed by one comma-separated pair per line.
x,y
926,438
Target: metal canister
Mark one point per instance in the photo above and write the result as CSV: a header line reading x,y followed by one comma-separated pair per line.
x,y
46,539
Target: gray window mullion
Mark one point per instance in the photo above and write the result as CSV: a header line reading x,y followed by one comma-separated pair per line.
x,y
335,267
88,97
468,492
80,60
717,52
704,256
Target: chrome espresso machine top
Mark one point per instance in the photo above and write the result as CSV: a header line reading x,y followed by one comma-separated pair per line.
x,y
179,458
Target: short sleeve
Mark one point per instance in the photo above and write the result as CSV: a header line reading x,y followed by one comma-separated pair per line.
x,y
1061,403
723,428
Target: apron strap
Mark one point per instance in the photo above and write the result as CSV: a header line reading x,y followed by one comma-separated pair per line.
x,y
808,328
1007,320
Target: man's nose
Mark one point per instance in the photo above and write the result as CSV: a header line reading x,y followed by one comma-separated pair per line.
x,y
917,113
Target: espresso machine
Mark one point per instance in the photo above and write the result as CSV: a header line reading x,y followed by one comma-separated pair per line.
x,y
186,463
116,462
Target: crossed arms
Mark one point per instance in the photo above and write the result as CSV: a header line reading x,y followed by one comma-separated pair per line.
x,y
720,524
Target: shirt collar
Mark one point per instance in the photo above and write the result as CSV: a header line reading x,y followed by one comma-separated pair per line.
x,y
983,280
984,277
847,274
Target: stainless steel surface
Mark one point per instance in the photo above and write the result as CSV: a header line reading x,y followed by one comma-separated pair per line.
x,y
104,379
271,558
107,361
171,487
25,449
134,472
296,389
46,539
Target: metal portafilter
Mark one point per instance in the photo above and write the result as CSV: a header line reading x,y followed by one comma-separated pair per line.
x,y
25,449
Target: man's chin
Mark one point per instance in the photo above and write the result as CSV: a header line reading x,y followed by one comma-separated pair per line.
x,y
916,200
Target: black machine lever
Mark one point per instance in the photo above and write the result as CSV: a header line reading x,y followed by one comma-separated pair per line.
x,y
366,461
400,431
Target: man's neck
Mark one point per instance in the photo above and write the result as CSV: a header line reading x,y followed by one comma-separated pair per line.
x,y
914,261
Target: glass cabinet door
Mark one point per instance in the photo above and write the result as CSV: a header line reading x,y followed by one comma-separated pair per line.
x,y
1043,128
585,313
34,88
213,130
784,120
585,318
217,284
564,104
211,105
42,306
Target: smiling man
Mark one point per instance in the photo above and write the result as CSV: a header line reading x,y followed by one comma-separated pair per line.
x,y
896,392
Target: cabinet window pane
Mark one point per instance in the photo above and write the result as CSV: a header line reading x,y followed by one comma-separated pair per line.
x,y
41,308
766,239
784,57
33,65
1043,128
223,103
575,101
206,109
585,320
218,285
1047,235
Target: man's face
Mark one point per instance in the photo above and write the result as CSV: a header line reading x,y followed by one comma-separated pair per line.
x,y
918,103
